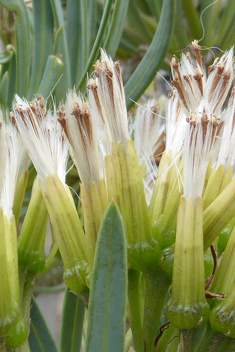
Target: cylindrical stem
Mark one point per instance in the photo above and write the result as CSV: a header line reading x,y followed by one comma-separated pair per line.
x,y
156,288
136,308
187,340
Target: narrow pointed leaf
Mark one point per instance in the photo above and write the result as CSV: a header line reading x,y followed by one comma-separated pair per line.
x,y
51,76
209,19
61,48
22,29
146,70
84,32
42,42
107,304
98,41
137,23
72,323
40,339
92,15
57,12
73,35
10,67
227,22
116,26
193,18
179,31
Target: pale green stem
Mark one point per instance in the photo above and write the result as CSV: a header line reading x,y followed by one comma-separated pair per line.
x,y
156,288
212,341
135,309
187,340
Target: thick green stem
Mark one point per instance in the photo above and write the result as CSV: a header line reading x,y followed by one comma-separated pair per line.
x,y
136,309
187,340
156,288
217,342
204,341
28,291
211,341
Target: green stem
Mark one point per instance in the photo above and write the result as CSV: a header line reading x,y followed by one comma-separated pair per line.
x,y
135,309
211,341
28,292
187,340
202,344
217,342
156,288
26,289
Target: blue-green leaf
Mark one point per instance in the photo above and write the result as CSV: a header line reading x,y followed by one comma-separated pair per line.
x,y
116,26
57,13
146,70
61,48
52,73
73,34
226,23
107,304
40,339
42,42
10,67
96,47
79,32
22,29
72,323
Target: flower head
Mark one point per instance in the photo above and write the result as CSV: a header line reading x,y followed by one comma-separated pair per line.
x,y
43,137
78,124
202,99
107,101
12,150
197,92
147,128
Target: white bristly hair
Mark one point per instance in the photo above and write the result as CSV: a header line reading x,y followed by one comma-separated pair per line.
x,y
43,138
